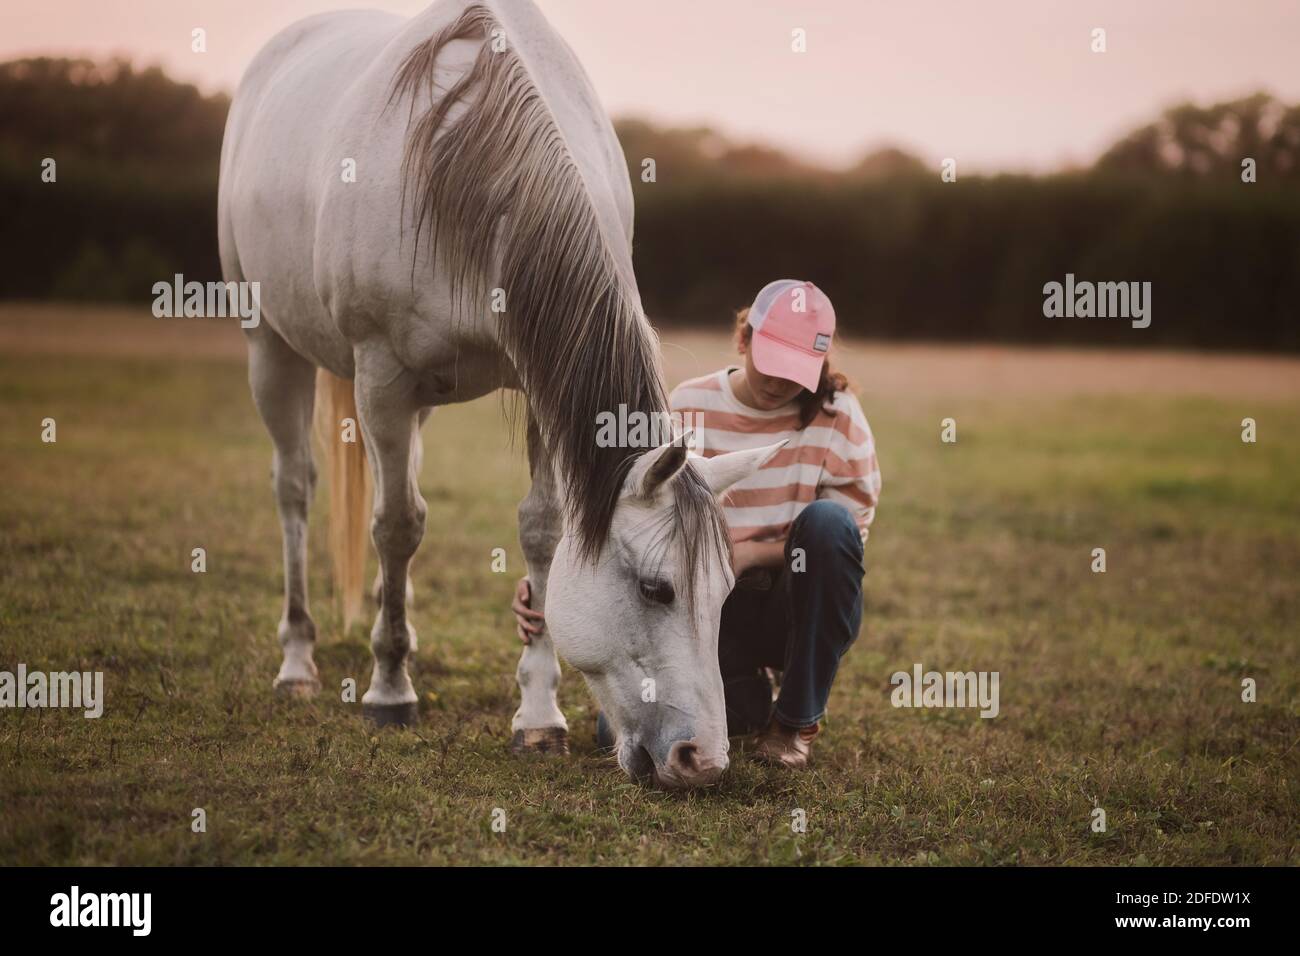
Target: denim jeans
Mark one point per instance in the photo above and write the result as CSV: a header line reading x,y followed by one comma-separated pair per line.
x,y
799,618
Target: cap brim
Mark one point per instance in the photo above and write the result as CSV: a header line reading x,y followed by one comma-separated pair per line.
x,y
783,361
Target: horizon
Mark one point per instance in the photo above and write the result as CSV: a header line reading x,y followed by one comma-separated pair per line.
x,y
1058,104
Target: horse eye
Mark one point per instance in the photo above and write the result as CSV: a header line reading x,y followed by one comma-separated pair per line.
x,y
659,592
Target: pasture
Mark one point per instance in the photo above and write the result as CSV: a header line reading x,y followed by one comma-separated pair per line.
x,y
1119,690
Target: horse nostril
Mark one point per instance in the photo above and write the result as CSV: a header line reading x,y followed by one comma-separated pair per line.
x,y
684,757
689,766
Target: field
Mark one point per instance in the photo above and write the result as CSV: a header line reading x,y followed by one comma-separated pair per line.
x,y
1120,691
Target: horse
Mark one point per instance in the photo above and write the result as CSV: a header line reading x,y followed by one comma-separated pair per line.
x,y
435,208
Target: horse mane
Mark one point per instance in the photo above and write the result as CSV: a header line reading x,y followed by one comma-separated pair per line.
x,y
573,326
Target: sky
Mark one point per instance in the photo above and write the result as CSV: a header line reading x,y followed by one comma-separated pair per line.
x,y
998,85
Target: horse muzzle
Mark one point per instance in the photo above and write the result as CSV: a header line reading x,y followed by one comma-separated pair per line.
x,y
689,766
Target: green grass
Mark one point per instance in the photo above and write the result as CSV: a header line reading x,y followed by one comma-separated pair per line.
x,y
1119,690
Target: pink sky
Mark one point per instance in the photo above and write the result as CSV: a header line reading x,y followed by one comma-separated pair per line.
x,y
1001,84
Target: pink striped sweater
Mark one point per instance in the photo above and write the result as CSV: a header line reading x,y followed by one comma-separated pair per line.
x,y
833,458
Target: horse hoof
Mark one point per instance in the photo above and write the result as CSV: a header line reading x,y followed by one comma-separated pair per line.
x,y
296,688
391,715
553,741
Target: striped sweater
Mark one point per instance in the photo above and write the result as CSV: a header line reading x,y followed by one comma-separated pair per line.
x,y
833,458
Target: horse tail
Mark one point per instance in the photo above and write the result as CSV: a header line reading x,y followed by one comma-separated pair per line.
x,y
339,434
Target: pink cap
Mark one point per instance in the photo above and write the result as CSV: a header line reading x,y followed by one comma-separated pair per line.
x,y
793,323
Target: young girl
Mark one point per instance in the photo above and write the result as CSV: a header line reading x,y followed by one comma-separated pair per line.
x,y
797,526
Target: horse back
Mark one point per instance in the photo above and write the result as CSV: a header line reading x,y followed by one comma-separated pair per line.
x,y
311,190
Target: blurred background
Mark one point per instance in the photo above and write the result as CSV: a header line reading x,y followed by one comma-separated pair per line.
x,y
1122,165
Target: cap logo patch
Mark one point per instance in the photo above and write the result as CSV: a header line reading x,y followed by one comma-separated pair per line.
x,y
822,343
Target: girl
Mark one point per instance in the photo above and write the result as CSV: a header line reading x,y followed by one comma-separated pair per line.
x,y
797,526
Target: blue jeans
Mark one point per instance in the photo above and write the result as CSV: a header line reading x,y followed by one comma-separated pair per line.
x,y
799,618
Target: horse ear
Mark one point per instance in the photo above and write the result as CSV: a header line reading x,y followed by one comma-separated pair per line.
x,y
657,466
723,471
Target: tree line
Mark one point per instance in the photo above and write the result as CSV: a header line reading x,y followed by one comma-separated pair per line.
x,y
1203,202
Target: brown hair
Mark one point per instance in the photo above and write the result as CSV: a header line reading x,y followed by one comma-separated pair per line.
x,y
810,403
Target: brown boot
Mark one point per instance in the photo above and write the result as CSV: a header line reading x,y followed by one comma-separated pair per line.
x,y
785,745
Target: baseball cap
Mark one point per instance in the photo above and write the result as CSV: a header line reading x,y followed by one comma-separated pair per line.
x,y
793,323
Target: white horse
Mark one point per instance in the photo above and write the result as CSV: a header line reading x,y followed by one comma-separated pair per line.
x,y
390,183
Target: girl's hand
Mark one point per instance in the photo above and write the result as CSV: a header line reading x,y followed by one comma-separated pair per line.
x,y
746,555
743,557
529,623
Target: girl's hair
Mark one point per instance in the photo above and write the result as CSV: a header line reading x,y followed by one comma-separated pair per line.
x,y
810,403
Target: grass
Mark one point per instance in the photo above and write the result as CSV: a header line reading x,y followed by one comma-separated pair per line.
x,y
1119,690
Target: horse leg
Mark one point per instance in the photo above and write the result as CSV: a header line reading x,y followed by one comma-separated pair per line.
x,y
389,417
417,454
539,725
284,390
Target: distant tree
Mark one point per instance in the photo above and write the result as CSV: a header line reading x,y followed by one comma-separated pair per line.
x,y
702,151
688,153
1211,142
905,256
108,112
889,162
